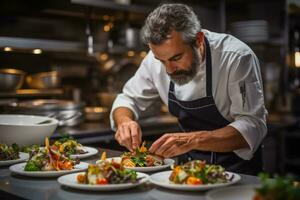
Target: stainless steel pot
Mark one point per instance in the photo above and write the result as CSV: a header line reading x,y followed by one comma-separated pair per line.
x,y
11,79
44,80
68,113
96,113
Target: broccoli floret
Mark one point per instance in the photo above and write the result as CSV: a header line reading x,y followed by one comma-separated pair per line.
x,y
31,166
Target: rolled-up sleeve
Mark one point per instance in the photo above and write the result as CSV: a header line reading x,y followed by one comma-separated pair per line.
x,y
247,103
139,93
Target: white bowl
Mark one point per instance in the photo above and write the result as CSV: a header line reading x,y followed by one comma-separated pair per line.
x,y
25,130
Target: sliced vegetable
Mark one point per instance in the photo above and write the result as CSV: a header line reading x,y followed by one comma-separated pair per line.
x,y
141,158
107,172
49,159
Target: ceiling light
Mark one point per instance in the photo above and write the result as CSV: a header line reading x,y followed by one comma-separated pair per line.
x,y
130,53
37,51
8,49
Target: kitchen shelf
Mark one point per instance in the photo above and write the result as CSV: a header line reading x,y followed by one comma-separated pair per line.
x,y
115,6
32,93
46,45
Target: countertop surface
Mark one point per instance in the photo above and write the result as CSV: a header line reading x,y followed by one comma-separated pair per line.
x,y
14,186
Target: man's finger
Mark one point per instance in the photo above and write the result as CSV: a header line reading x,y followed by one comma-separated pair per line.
x,y
165,146
158,143
176,150
135,136
126,137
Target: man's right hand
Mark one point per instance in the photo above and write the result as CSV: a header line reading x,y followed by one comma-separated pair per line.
x,y
129,134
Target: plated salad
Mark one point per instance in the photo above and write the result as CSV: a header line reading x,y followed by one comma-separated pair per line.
x,y
68,145
29,148
49,159
277,188
9,152
197,172
107,172
141,158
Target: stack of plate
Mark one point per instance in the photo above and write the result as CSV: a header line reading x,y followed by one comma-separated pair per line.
x,y
251,31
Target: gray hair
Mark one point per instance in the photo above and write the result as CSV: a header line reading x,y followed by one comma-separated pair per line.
x,y
168,17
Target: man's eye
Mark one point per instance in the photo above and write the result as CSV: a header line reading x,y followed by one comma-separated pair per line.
x,y
176,58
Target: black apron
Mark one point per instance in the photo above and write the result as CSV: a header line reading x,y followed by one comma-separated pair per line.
x,y
202,114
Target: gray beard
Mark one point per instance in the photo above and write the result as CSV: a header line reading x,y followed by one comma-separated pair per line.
x,y
183,77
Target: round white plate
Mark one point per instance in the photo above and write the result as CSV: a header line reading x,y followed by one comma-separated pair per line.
x,y
245,192
19,169
70,180
167,163
162,179
23,157
90,152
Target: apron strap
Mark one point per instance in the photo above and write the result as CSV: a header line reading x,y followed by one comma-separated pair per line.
x,y
208,68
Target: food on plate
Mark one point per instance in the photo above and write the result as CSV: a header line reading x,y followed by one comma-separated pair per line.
x,y
197,172
9,152
141,158
30,148
49,159
107,172
277,188
68,145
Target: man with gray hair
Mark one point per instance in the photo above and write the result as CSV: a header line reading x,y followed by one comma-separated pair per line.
x,y
210,81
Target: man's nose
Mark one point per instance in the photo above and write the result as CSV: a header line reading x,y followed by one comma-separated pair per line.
x,y
170,67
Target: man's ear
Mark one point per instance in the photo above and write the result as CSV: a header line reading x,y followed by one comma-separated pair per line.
x,y
199,39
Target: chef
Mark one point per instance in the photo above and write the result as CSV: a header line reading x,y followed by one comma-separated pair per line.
x,y
210,81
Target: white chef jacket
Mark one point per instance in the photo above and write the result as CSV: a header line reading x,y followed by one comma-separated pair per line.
x,y
234,65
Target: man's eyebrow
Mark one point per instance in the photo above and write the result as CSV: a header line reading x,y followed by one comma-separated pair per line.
x,y
171,58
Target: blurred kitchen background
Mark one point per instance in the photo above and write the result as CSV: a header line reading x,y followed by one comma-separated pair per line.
x,y
69,58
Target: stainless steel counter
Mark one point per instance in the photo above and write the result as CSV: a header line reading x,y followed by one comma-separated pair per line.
x,y
18,187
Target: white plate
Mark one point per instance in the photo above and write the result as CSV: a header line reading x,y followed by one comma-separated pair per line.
x,y
23,157
245,192
162,179
70,180
90,152
19,169
167,163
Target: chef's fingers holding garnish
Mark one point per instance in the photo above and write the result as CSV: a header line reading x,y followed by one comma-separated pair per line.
x,y
129,135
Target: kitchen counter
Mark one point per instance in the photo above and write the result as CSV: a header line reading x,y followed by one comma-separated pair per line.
x,y
14,186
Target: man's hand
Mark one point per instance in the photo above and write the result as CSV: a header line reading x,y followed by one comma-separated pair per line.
x,y
129,134
173,144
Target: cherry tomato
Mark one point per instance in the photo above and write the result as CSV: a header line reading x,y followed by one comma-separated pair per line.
x,y
102,181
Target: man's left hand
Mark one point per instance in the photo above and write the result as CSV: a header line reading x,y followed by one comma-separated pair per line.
x,y
173,144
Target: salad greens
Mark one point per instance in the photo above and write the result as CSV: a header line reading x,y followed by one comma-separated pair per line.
x,y
277,188
9,152
107,172
197,172
49,159
140,158
68,145
29,149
